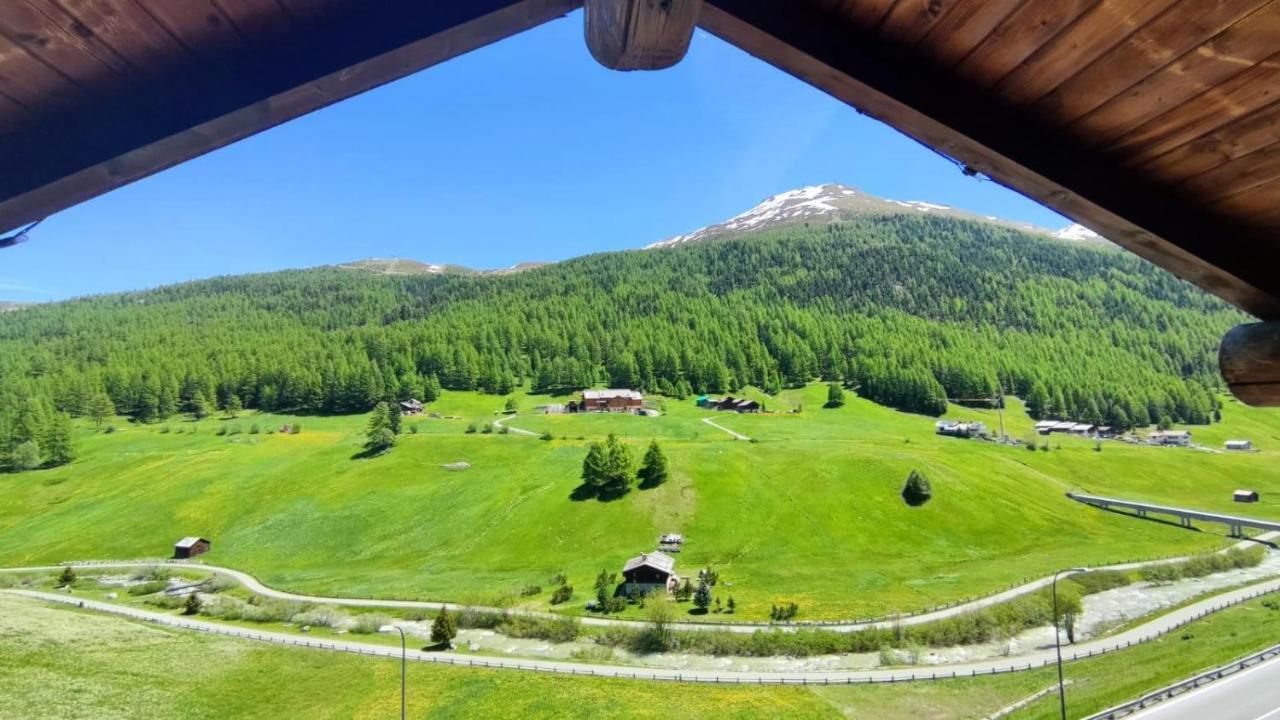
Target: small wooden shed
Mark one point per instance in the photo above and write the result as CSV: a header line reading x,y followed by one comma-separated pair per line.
x,y
1245,496
189,547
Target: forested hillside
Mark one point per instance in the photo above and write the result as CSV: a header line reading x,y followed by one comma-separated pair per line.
x,y
910,310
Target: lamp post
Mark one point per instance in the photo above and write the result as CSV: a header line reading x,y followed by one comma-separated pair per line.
x,y
403,664
1057,639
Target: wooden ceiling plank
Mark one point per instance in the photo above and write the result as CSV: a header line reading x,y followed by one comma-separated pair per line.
x,y
131,33
960,121
1235,49
1261,205
959,31
1238,96
260,22
909,20
27,79
1024,31
1233,140
106,146
65,26
14,116
866,14
1094,33
1167,37
1238,176
198,24
60,49
317,13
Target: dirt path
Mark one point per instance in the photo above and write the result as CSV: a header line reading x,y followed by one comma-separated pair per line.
x,y
718,426
499,424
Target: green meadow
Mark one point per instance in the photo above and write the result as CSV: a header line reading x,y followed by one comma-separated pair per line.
x,y
810,512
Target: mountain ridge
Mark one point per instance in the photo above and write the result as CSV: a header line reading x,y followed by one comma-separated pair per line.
x,y
831,202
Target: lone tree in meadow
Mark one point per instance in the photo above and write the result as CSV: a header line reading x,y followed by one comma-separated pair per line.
x,y
379,436
67,577
192,606
917,491
27,455
607,468
835,395
653,468
445,628
393,416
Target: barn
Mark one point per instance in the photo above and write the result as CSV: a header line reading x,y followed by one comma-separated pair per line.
x,y
1245,496
189,547
611,400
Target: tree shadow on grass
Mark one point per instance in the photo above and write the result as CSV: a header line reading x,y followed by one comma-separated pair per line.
x,y
366,453
589,492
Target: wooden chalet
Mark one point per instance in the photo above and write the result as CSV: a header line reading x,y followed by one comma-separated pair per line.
x,y
1155,123
189,547
648,572
410,407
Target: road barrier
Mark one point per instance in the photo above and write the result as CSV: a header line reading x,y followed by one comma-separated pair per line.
x,y
1179,688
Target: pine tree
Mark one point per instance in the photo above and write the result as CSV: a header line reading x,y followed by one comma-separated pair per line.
x,y
594,466
392,409
26,456
192,606
617,468
653,468
702,596
917,490
444,628
200,408
58,444
100,408
835,395
234,406
379,437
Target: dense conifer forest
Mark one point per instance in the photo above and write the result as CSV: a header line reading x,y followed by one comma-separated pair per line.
x,y
905,310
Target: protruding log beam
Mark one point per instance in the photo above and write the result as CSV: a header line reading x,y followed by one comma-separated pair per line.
x,y
640,34
1250,362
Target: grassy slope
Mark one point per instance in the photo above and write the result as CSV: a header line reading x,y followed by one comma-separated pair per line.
x,y
810,513
64,663
68,664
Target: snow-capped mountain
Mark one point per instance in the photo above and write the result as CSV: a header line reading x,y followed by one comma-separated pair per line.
x,y
832,201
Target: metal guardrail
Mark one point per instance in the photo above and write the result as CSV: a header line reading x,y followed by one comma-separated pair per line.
x,y
1185,686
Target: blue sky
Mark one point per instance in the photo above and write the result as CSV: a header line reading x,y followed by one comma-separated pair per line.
x,y
523,150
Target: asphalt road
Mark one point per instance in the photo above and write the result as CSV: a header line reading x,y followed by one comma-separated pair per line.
x,y
1253,694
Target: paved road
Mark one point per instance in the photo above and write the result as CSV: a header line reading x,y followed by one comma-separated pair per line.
x,y
718,426
254,585
1035,659
1253,694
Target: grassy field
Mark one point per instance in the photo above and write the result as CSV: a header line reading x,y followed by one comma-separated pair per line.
x,y
810,513
60,662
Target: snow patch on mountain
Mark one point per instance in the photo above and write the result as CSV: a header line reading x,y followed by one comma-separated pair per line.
x,y
1078,232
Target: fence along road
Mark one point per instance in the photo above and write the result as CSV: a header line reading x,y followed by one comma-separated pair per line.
x,y
1040,658
254,585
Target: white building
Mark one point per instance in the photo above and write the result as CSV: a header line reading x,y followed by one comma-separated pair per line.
x,y
1179,438
1239,445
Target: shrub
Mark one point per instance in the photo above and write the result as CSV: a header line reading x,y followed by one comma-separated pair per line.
x,y
295,429
471,428
547,436
413,429
192,604
168,602
558,579
110,429
368,624
1096,581
218,583
165,430
486,428
561,629
222,430
147,588
27,455
254,429
504,430
319,617
233,429
530,590
562,594
917,491
67,577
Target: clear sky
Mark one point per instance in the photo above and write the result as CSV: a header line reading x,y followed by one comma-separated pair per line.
x,y
523,150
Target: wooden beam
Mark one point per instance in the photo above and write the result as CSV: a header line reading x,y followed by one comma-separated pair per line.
x,y
73,158
969,124
1250,362
639,34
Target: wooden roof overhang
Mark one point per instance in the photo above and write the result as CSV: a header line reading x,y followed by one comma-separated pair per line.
x,y
1153,122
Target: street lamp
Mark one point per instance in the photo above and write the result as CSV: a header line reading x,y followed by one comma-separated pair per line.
x,y
1057,638
403,663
